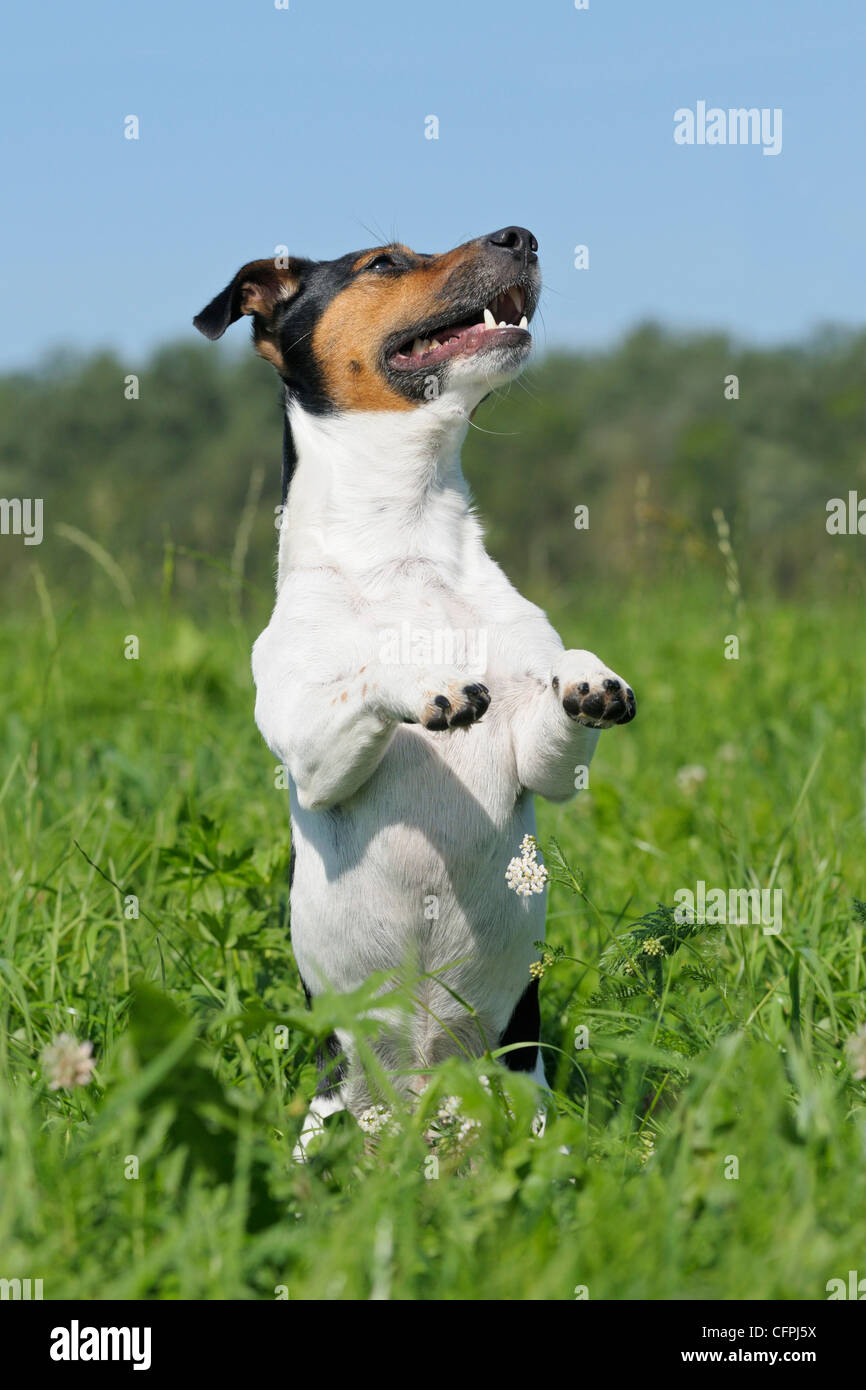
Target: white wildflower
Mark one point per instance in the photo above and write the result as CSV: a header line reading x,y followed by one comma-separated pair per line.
x,y
647,1149
690,777
855,1049
524,874
377,1119
67,1062
653,947
450,1125
449,1109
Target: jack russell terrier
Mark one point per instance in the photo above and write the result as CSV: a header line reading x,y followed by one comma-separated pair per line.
x,y
417,701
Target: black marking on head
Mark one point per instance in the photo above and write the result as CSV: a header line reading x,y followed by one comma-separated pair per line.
x,y
256,289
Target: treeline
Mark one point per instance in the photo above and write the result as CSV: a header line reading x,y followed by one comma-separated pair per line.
x,y
651,438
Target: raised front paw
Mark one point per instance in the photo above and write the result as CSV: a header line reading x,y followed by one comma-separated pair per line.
x,y
460,704
592,694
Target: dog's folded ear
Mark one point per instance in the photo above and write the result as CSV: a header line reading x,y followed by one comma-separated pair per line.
x,y
258,288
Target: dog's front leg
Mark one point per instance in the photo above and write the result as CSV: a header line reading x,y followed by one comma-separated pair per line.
x,y
556,729
332,733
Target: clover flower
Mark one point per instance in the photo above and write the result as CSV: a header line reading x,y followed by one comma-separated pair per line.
x,y
690,777
855,1049
67,1062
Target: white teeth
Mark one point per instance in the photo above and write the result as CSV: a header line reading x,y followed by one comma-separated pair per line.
x,y
503,324
417,347
435,343
524,322
489,320
517,298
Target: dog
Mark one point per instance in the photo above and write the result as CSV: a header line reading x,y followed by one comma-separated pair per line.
x,y
418,702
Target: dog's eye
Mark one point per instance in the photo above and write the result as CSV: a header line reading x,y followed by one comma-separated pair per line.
x,y
383,262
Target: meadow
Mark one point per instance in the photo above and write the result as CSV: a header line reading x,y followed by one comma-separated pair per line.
x,y
709,1132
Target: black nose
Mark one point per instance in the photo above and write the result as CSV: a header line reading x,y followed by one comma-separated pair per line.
x,y
519,241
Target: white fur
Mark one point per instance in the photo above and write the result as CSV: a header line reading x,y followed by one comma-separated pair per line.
x,y
378,531
321,1107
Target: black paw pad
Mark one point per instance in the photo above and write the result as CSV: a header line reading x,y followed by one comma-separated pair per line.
x,y
438,721
477,703
599,708
474,702
630,707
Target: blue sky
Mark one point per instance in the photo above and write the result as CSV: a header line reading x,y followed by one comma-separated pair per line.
x,y
305,127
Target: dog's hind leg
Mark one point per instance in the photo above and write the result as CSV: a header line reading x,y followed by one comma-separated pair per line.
x,y
524,1026
539,1123
328,1099
314,1122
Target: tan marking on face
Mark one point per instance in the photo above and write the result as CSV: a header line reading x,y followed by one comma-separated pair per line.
x,y
267,346
369,256
347,340
264,286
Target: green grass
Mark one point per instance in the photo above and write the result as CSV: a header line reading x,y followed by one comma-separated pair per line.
x,y
729,1045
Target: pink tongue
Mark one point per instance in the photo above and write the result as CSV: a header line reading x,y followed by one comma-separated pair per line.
x,y
456,335
470,336
462,336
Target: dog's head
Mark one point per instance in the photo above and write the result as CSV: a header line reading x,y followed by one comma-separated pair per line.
x,y
389,328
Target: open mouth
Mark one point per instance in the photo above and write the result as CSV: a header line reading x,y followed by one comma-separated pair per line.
x,y
501,323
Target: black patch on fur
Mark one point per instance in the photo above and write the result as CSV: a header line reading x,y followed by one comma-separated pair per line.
x,y
222,311
290,459
293,325
523,1025
332,1066
330,1062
